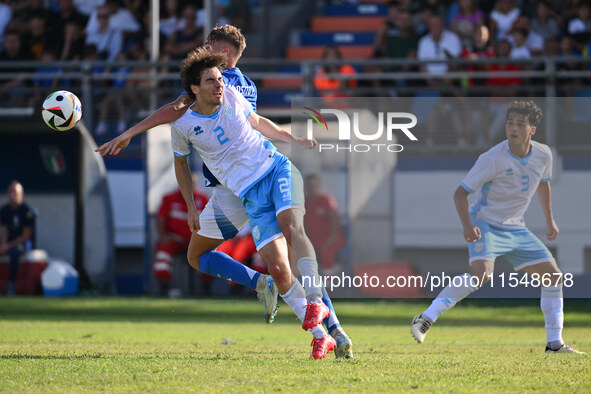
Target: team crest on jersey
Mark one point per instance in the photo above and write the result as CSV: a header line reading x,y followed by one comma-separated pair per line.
x,y
478,246
256,234
227,110
198,130
508,172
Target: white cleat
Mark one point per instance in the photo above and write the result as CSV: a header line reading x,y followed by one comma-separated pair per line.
x,y
419,328
344,347
564,349
267,293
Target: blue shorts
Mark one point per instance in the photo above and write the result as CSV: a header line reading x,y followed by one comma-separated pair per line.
x,y
282,188
520,246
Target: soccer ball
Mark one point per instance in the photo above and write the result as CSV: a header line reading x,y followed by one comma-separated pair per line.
x,y
61,110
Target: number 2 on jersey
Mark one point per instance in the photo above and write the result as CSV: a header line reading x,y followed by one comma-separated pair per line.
x,y
221,135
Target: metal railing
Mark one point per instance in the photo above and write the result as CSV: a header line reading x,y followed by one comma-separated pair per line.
x,y
132,83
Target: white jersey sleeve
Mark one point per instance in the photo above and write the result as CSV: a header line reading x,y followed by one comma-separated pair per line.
x,y
547,174
181,146
482,172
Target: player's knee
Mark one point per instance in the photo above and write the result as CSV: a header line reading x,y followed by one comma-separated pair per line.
x,y
482,275
484,278
286,229
556,277
280,274
294,233
193,258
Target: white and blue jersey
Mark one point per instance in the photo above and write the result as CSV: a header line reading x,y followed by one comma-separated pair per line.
x,y
224,215
505,185
241,160
233,78
234,153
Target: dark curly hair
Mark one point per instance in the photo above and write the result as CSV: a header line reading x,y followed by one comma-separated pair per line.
x,y
527,108
194,64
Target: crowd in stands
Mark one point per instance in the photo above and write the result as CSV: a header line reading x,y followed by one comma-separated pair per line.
x,y
65,27
426,30
429,30
111,30
472,29
413,24
512,30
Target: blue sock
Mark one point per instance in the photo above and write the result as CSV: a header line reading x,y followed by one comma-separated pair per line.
x,y
221,265
331,322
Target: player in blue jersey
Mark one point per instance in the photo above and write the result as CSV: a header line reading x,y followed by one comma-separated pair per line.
x,y
229,41
505,179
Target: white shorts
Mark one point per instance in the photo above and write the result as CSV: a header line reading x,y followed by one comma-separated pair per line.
x,y
223,216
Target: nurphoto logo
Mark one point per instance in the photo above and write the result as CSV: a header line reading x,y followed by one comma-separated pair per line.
x,y
376,141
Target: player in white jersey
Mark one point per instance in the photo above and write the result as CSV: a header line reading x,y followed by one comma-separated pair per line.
x,y
224,214
505,179
219,126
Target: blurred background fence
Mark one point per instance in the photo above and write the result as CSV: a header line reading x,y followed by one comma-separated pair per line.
x,y
116,95
461,114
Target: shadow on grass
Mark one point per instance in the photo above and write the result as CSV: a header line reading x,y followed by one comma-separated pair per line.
x,y
503,313
205,356
49,357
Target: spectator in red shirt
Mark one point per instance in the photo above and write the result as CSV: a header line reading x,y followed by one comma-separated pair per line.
x,y
478,48
173,234
503,50
323,223
502,89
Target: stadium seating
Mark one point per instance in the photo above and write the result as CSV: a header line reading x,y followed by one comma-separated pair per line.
x,y
355,9
315,52
279,98
329,24
350,27
346,38
283,83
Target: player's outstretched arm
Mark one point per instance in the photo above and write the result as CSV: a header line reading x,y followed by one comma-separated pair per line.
x,y
183,178
471,232
545,197
166,114
271,130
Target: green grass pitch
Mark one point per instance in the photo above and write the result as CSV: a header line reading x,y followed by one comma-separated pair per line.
x,y
205,345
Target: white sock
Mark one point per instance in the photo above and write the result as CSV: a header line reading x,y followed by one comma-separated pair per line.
x,y
449,297
551,303
310,279
296,299
318,331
